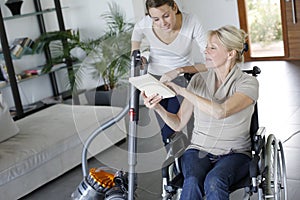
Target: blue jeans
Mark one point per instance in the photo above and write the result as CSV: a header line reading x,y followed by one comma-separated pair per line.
x,y
172,105
211,176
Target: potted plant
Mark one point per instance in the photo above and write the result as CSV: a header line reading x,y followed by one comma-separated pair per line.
x,y
59,44
106,57
110,57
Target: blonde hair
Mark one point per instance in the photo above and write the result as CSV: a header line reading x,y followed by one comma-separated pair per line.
x,y
232,38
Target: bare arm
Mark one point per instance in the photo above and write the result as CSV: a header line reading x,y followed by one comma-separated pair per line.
x,y
186,69
192,69
135,45
200,67
176,121
232,105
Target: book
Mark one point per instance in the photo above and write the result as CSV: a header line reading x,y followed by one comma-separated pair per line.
x,y
17,50
19,41
151,86
3,73
20,46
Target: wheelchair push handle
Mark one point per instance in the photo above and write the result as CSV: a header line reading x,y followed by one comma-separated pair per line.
x,y
254,71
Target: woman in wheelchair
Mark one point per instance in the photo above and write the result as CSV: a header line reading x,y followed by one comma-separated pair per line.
x,y
222,100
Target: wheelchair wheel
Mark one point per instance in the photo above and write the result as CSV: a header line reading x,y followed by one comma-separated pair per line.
x,y
282,174
275,176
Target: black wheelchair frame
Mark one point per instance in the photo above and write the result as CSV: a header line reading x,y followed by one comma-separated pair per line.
x,y
267,169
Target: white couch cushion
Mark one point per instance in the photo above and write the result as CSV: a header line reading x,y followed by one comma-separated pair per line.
x,y
7,125
48,133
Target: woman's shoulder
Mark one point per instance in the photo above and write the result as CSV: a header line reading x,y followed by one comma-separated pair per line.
x,y
246,76
190,17
198,81
191,22
245,80
201,76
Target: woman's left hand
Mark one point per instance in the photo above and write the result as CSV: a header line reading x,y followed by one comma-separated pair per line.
x,y
151,101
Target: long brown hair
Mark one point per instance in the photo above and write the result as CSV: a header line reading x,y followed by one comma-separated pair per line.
x,y
158,3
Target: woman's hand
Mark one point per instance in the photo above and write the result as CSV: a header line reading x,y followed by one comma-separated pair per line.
x,y
169,76
151,101
144,63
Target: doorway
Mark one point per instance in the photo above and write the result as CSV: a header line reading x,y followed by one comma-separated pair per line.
x,y
273,29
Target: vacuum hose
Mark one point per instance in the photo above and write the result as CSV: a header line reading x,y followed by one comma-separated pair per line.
x,y
100,184
100,129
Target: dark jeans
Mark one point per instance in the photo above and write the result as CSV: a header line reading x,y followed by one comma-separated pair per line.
x,y
172,105
211,176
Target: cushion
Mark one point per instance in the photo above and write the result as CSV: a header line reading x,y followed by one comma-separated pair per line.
x,y
50,133
7,125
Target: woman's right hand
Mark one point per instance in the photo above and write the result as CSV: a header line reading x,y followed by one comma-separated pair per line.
x,y
169,76
144,63
151,101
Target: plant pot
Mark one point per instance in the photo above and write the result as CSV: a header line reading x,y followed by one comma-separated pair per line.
x,y
99,97
14,6
116,97
103,98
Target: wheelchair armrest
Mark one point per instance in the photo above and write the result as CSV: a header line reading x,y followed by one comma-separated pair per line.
x,y
165,168
258,140
168,161
177,145
175,148
261,131
171,171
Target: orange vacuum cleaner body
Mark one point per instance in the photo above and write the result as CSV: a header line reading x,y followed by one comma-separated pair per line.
x,y
101,184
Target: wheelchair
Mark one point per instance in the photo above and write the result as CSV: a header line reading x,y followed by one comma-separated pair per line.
x,y
267,170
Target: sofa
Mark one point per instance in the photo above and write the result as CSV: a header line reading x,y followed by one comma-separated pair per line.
x,y
50,142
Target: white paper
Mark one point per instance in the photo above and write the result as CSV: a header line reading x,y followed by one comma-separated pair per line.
x,y
151,86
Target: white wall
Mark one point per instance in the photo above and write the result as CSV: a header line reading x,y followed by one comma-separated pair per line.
x,y
212,13
86,16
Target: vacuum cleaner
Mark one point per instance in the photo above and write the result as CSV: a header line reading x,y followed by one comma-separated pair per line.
x,y
105,183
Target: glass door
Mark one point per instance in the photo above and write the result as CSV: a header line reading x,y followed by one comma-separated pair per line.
x,y
265,28
262,20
